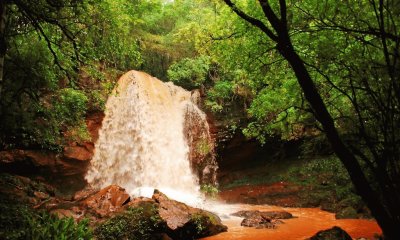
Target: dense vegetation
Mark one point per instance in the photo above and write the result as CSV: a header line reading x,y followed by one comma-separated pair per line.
x,y
320,70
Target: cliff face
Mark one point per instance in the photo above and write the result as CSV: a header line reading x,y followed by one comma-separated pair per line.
x,y
69,166
200,142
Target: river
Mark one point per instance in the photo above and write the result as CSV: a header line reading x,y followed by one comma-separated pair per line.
x,y
306,222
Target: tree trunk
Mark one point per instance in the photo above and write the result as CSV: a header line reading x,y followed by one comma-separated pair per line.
x,y
3,47
389,224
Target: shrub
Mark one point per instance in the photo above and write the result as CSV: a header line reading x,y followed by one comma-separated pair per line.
x,y
18,221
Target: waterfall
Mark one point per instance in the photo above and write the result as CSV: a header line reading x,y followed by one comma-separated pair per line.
x,y
142,144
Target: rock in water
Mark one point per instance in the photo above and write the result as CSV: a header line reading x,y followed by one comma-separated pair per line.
x,y
335,233
262,219
107,200
270,214
184,222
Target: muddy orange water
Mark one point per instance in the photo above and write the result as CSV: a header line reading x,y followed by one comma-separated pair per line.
x,y
306,222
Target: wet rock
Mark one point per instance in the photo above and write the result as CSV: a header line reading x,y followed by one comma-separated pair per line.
x,y
175,214
41,195
30,162
79,153
159,218
93,123
259,219
84,193
184,222
19,161
269,215
277,215
106,201
201,144
335,233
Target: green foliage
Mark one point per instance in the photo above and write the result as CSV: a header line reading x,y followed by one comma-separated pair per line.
x,y
70,105
110,36
52,80
190,73
138,223
219,95
20,222
62,115
198,221
201,222
46,226
325,175
209,190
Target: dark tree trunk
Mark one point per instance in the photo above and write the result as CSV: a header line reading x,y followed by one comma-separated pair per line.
x,y
385,213
3,47
389,224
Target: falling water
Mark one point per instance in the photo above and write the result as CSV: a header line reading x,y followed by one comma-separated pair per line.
x,y
141,144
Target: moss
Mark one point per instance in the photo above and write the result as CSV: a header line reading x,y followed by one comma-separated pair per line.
x,y
205,224
136,223
348,212
203,147
209,190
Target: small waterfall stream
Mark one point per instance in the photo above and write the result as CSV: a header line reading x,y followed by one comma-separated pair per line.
x,y
142,144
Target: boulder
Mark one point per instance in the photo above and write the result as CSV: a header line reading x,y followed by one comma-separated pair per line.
x,y
347,213
175,214
184,222
83,194
269,214
106,201
111,209
335,233
158,218
259,219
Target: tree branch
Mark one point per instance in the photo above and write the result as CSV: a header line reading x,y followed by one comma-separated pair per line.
x,y
253,21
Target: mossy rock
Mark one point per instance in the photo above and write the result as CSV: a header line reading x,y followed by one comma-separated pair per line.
x,y
347,213
136,223
335,233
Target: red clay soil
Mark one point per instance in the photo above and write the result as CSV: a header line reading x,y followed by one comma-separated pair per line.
x,y
281,194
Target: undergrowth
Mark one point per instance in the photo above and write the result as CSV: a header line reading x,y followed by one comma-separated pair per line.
x,y
18,221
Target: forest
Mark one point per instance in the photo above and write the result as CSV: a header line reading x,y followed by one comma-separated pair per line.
x,y
314,86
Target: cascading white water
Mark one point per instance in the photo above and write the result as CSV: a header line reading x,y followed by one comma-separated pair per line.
x,y
141,144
